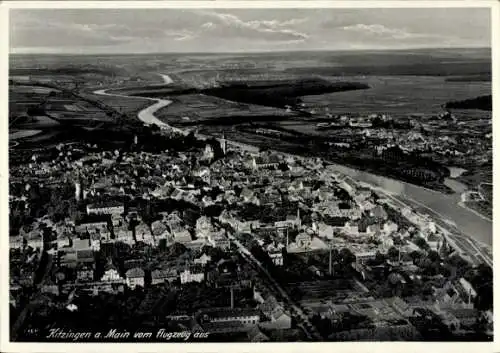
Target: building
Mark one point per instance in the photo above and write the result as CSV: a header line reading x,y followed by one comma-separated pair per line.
x,y
303,240
181,236
465,316
247,317
84,273
219,240
193,273
275,253
111,208
111,274
135,277
203,227
208,153
277,318
364,256
203,260
271,161
161,276
468,288
68,258
93,224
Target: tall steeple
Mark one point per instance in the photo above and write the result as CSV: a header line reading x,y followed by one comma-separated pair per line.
x,y
223,144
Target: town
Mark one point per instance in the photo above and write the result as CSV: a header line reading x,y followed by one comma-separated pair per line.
x,y
237,243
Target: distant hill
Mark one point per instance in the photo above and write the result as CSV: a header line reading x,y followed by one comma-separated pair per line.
x,y
481,103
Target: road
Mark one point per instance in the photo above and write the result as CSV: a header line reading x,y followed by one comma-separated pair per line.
x,y
35,297
303,319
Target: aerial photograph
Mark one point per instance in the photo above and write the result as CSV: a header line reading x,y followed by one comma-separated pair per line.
x,y
250,175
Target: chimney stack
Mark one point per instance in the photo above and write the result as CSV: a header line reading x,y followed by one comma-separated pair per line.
x,y
330,261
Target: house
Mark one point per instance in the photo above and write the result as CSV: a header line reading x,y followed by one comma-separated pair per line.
x,y
366,205
51,288
142,230
203,227
85,256
362,194
296,185
323,230
203,260
468,288
181,236
379,213
248,226
135,277
196,244
67,258
400,306
276,316
247,195
224,327
219,240
81,244
275,252
466,317
264,163
93,224
303,240
160,230
174,221
193,273
84,273
95,242
433,240
269,197
112,208
111,274
247,317
164,275
390,227
279,319
364,256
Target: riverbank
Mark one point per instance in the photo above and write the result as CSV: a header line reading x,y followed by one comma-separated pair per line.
x,y
146,115
444,206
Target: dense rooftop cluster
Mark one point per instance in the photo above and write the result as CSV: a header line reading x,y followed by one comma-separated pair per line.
x,y
255,245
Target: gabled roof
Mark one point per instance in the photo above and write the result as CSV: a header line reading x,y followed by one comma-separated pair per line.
x,y
160,273
135,273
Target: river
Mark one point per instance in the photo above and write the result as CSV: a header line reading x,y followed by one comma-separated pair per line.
x,y
442,205
147,114
446,206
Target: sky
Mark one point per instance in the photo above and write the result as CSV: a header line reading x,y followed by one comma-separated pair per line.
x,y
113,31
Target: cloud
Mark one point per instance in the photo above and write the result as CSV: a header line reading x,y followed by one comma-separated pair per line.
x,y
180,35
208,25
265,29
381,30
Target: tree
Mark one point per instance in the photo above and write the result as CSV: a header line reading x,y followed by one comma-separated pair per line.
x,y
433,255
393,253
346,256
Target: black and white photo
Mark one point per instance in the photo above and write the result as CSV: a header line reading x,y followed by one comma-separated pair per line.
x,y
250,174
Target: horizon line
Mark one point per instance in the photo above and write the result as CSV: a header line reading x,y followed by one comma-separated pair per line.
x,y
258,51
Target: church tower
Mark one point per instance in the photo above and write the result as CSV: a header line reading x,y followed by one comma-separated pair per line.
x,y
223,144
